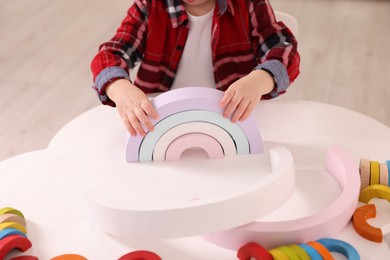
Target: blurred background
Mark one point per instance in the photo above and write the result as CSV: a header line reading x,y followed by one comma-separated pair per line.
x,y
46,47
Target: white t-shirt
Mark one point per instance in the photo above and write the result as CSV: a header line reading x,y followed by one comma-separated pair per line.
x,y
196,68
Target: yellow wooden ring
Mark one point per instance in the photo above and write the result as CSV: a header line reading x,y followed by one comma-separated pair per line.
x,y
277,254
303,255
384,172
375,191
291,254
374,173
10,210
364,169
14,225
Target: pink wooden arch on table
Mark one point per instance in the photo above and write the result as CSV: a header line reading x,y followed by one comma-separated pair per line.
x,y
327,223
193,105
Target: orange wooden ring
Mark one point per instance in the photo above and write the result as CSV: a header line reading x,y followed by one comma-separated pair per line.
x,y
69,257
321,249
359,223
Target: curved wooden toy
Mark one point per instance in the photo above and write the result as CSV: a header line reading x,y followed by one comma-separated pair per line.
x,y
255,250
25,257
13,242
10,231
303,255
9,210
384,174
291,254
388,168
364,169
14,225
374,173
375,191
10,217
189,99
223,137
321,249
140,255
339,246
312,252
69,257
121,219
325,223
359,222
207,143
278,254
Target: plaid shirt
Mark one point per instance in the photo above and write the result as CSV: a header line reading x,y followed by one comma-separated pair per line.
x,y
245,36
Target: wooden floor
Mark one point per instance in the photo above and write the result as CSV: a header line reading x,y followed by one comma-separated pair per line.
x,y
46,47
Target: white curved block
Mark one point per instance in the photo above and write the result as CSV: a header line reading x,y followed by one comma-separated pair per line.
x,y
327,223
215,211
215,131
194,140
150,140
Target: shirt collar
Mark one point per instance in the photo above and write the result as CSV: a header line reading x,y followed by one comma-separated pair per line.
x,y
178,15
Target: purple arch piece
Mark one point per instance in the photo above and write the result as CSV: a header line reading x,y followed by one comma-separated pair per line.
x,y
192,98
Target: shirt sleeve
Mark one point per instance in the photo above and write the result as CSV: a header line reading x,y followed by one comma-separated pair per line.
x,y
275,46
119,55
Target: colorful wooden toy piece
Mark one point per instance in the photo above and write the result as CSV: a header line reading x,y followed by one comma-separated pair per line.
x,y
375,191
374,173
321,249
302,254
291,254
339,246
189,100
14,225
384,174
10,217
325,223
140,255
69,257
312,252
194,140
253,250
10,210
10,231
133,219
25,257
13,242
388,167
364,169
222,136
277,254
359,223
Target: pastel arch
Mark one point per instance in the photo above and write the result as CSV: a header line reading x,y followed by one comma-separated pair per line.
x,y
213,130
207,143
185,100
150,140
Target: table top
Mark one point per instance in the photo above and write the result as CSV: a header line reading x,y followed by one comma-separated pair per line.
x,y
49,185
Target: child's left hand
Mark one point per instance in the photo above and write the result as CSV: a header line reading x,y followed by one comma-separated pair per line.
x,y
242,96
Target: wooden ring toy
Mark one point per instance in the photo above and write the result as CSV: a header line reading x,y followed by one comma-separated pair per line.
x,y
10,231
374,173
69,257
9,210
359,223
255,250
302,254
326,223
184,100
339,246
312,252
384,174
278,254
10,217
375,191
13,242
321,249
388,168
291,254
140,255
14,225
364,169
25,257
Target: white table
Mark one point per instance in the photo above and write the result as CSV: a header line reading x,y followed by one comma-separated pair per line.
x,y
48,185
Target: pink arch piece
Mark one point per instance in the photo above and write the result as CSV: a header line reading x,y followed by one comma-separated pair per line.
x,y
326,223
194,140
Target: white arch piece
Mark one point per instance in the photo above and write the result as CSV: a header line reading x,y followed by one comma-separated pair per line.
x,y
223,137
236,206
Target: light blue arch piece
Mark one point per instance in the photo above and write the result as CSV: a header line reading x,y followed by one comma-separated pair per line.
x,y
150,140
10,231
340,246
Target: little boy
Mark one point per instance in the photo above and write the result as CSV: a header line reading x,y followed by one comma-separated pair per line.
x,y
235,46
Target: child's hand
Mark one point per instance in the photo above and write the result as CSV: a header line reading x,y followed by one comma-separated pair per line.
x,y
133,106
242,96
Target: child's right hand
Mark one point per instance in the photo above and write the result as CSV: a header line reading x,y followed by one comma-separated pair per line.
x,y
133,106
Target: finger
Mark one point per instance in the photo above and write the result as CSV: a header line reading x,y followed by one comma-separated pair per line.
x,y
248,111
227,97
231,106
239,110
149,109
128,125
140,114
136,124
